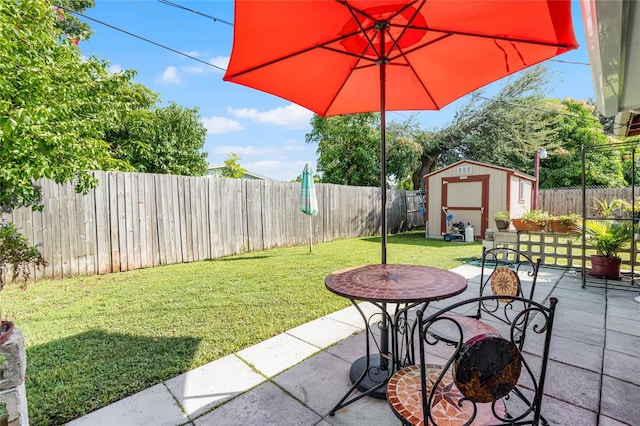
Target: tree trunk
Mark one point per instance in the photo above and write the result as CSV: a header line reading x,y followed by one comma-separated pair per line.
x,y
427,164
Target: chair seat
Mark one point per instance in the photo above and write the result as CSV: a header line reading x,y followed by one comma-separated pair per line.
x,y
471,327
405,397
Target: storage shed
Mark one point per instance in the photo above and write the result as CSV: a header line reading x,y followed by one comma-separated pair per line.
x,y
472,193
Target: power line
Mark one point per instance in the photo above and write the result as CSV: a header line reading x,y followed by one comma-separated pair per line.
x,y
162,15
569,62
142,38
168,3
550,111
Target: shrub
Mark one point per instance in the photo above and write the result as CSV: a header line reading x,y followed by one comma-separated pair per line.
x,y
16,254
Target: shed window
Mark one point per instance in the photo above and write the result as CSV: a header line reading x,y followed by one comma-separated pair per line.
x,y
521,190
464,170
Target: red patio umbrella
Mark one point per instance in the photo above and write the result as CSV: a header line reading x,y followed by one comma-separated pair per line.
x,y
340,56
350,56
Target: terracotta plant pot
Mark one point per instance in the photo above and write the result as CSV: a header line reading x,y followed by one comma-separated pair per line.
x,y
5,331
605,267
526,225
560,227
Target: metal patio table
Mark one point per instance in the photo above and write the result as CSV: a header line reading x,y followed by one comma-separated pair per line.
x,y
405,286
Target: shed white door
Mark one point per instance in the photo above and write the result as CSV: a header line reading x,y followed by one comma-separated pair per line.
x,y
467,199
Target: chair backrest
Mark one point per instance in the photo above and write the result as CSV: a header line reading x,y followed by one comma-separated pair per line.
x,y
504,271
487,368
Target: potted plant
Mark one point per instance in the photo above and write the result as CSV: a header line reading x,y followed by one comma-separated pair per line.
x,y
565,223
633,209
532,220
503,219
607,238
609,208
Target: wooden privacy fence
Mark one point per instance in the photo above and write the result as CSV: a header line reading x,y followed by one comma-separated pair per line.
x,y
134,220
567,201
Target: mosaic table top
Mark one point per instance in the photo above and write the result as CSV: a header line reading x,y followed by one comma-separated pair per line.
x,y
396,283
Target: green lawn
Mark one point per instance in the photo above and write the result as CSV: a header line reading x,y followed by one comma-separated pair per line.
x,y
93,340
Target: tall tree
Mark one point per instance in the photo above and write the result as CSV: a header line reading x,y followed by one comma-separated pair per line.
x,y
348,148
577,126
54,105
507,129
160,140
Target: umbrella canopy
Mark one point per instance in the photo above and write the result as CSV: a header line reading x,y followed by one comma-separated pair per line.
x,y
340,56
308,199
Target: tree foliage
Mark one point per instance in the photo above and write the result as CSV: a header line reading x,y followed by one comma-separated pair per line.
x,y
160,140
577,126
348,148
507,129
69,24
63,115
54,105
232,168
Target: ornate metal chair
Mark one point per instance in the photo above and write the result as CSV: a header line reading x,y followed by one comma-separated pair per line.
x,y
503,271
488,379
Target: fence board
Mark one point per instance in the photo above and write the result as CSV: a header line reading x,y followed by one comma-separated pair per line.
x,y
80,233
68,230
133,222
253,208
186,219
102,239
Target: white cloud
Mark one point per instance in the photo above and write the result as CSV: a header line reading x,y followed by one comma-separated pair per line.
x,y
241,150
170,76
193,53
220,61
266,165
195,69
275,169
216,125
293,146
291,116
114,68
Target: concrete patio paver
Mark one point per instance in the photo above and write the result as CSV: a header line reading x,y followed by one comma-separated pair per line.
x,y
277,354
199,389
295,378
153,406
249,409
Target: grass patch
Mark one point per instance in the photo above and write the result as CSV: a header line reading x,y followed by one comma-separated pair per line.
x,y
94,340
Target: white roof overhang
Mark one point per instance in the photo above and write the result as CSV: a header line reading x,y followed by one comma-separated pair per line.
x,y
612,30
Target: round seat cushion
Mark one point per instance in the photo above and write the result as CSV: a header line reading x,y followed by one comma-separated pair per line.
x,y
487,368
404,393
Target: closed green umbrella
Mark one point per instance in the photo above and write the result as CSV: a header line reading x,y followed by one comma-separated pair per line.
x,y
308,199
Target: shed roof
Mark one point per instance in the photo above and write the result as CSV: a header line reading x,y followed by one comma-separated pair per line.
x,y
477,163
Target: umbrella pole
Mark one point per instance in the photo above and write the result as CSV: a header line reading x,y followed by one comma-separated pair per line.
x,y
310,235
384,329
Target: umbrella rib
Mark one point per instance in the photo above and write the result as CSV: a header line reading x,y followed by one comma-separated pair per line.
x,y
405,27
423,45
362,31
495,37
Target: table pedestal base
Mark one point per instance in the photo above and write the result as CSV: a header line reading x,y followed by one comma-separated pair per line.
x,y
373,378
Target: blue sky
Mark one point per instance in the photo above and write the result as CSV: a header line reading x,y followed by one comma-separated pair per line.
x,y
266,132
